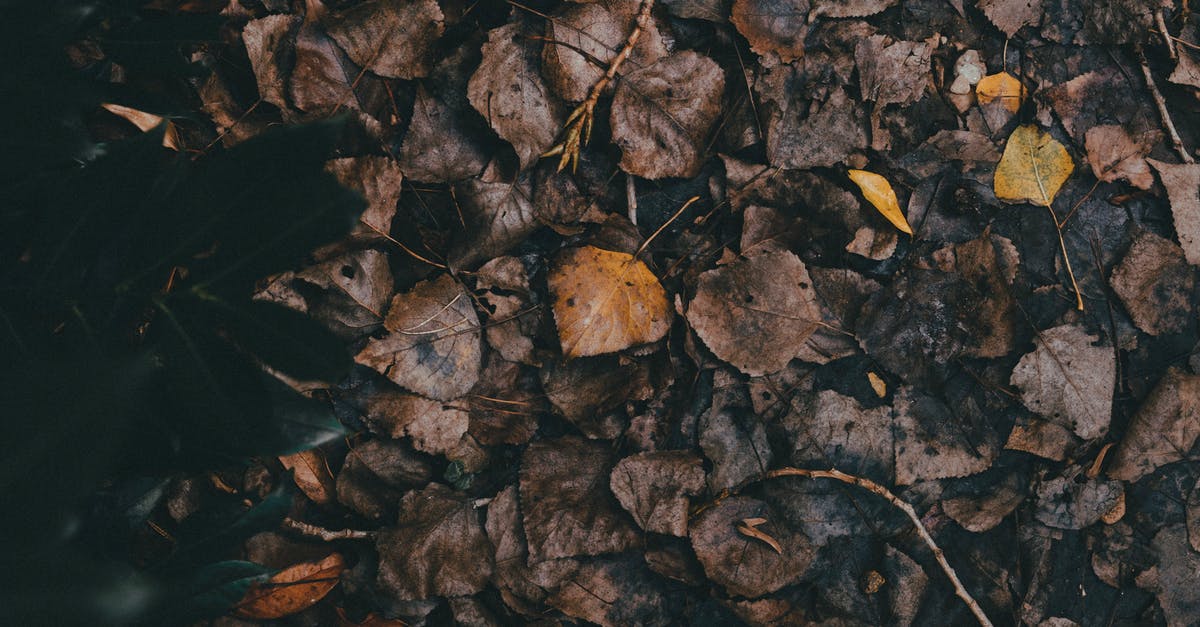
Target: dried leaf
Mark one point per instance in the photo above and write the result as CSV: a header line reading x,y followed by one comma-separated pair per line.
x,y
878,191
931,442
378,180
849,8
311,474
291,590
1010,15
605,301
662,114
498,216
1183,190
1003,87
773,26
1173,578
1164,429
433,347
1155,284
392,38
616,591
146,121
377,473
438,147
743,566
1064,503
1068,380
582,41
1114,153
437,548
653,487
800,139
756,313
877,384
1033,168
265,39
892,72
737,446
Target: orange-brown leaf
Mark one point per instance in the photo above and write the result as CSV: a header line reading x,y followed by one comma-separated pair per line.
x,y
606,301
749,528
312,475
291,590
1002,86
145,121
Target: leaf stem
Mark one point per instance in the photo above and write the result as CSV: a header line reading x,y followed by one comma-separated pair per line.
x,y
1066,259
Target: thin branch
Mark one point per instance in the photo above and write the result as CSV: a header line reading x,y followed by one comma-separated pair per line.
x,y
327,535
1184,155
900,504
1066,258
1161,22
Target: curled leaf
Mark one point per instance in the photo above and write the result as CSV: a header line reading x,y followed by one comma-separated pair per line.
x,y
145,121
1033,168
879,193
291,590
749,528
606,301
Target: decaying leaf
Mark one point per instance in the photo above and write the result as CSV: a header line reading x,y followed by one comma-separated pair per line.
x,y
434,345
662,114
378,180
1164,429
291,590
392,38
892,72
773,26
582,40
376,474
497,216
614,592
1010,15
1065,503
146,121
756,313
1172,578
931,444
802,139
849,8
878,191
1001,86
653,487
436,548
605,301
1155,284
438,147
1068,380
745,566
1183,190
1033,168
1114,153
311,473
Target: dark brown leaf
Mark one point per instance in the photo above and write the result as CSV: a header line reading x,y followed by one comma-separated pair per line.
x,y
615,591
1155,283
392,38
822,135
773,26
745,566
582,40
376,473
291,590
438,147
1010,15
497,215
892,72
654,488
1182,182
1163,430
378,180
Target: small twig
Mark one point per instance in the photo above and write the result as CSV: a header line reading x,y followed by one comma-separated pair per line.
x,y
578,128
1066,258
665,225
900,504
1161,22
327,535
1184,155
631,198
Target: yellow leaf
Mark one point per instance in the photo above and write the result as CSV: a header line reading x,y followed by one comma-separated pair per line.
x,y
606,301
1004,86
877,384
145,121
879,193
1033,168
293,589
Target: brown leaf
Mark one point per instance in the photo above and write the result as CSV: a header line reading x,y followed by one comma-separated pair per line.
x,y
1155,284
312,475
1163,430
498,216
849,8
376,473
567,506
892,72
1113,153
1010,15
509,92
291,590
265,40
1064,503
978,513
435,427
931,442
662,115
831,429
653,487
615,592
773,26
989,263
437,548
505,404
749,528
392,38
1172,579
756,313
582,40
826,136
323,79
1068,380
1089,100
434,345
378,179
605,301
1183,190
736,445
146,121
1033,168
437,147
515,314
743,566
590,391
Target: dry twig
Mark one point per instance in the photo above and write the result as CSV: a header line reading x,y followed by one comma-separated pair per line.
x,y
1184,155
578,128
327,535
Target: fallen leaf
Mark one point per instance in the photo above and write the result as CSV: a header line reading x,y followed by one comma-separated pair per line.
x,y
773,26
436,548
582,40
749,528
654,488
756,313
1163,430
982,511
146,121
265,39
433,346
438,147
849,8
1155,284
932,443
1033,168
378,179
1183,190
743,566
877,384
1114,153
515,311
1172,579
1003,87
605,301
291,590
1064,503
615,591
311,473
509,92
392,38
832,429
1010,15
498,216
878,191
591,392
567,506
892,72
1068,380
376,474
505,404
800,139
736,445
662,114
973,150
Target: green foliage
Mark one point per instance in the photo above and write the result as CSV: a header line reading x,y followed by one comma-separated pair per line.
x,y
132,349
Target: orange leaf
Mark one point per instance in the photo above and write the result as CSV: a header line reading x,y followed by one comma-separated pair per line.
x,y
1033,168
606,301
879,193
291,590
145,121
1004,86
312,475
